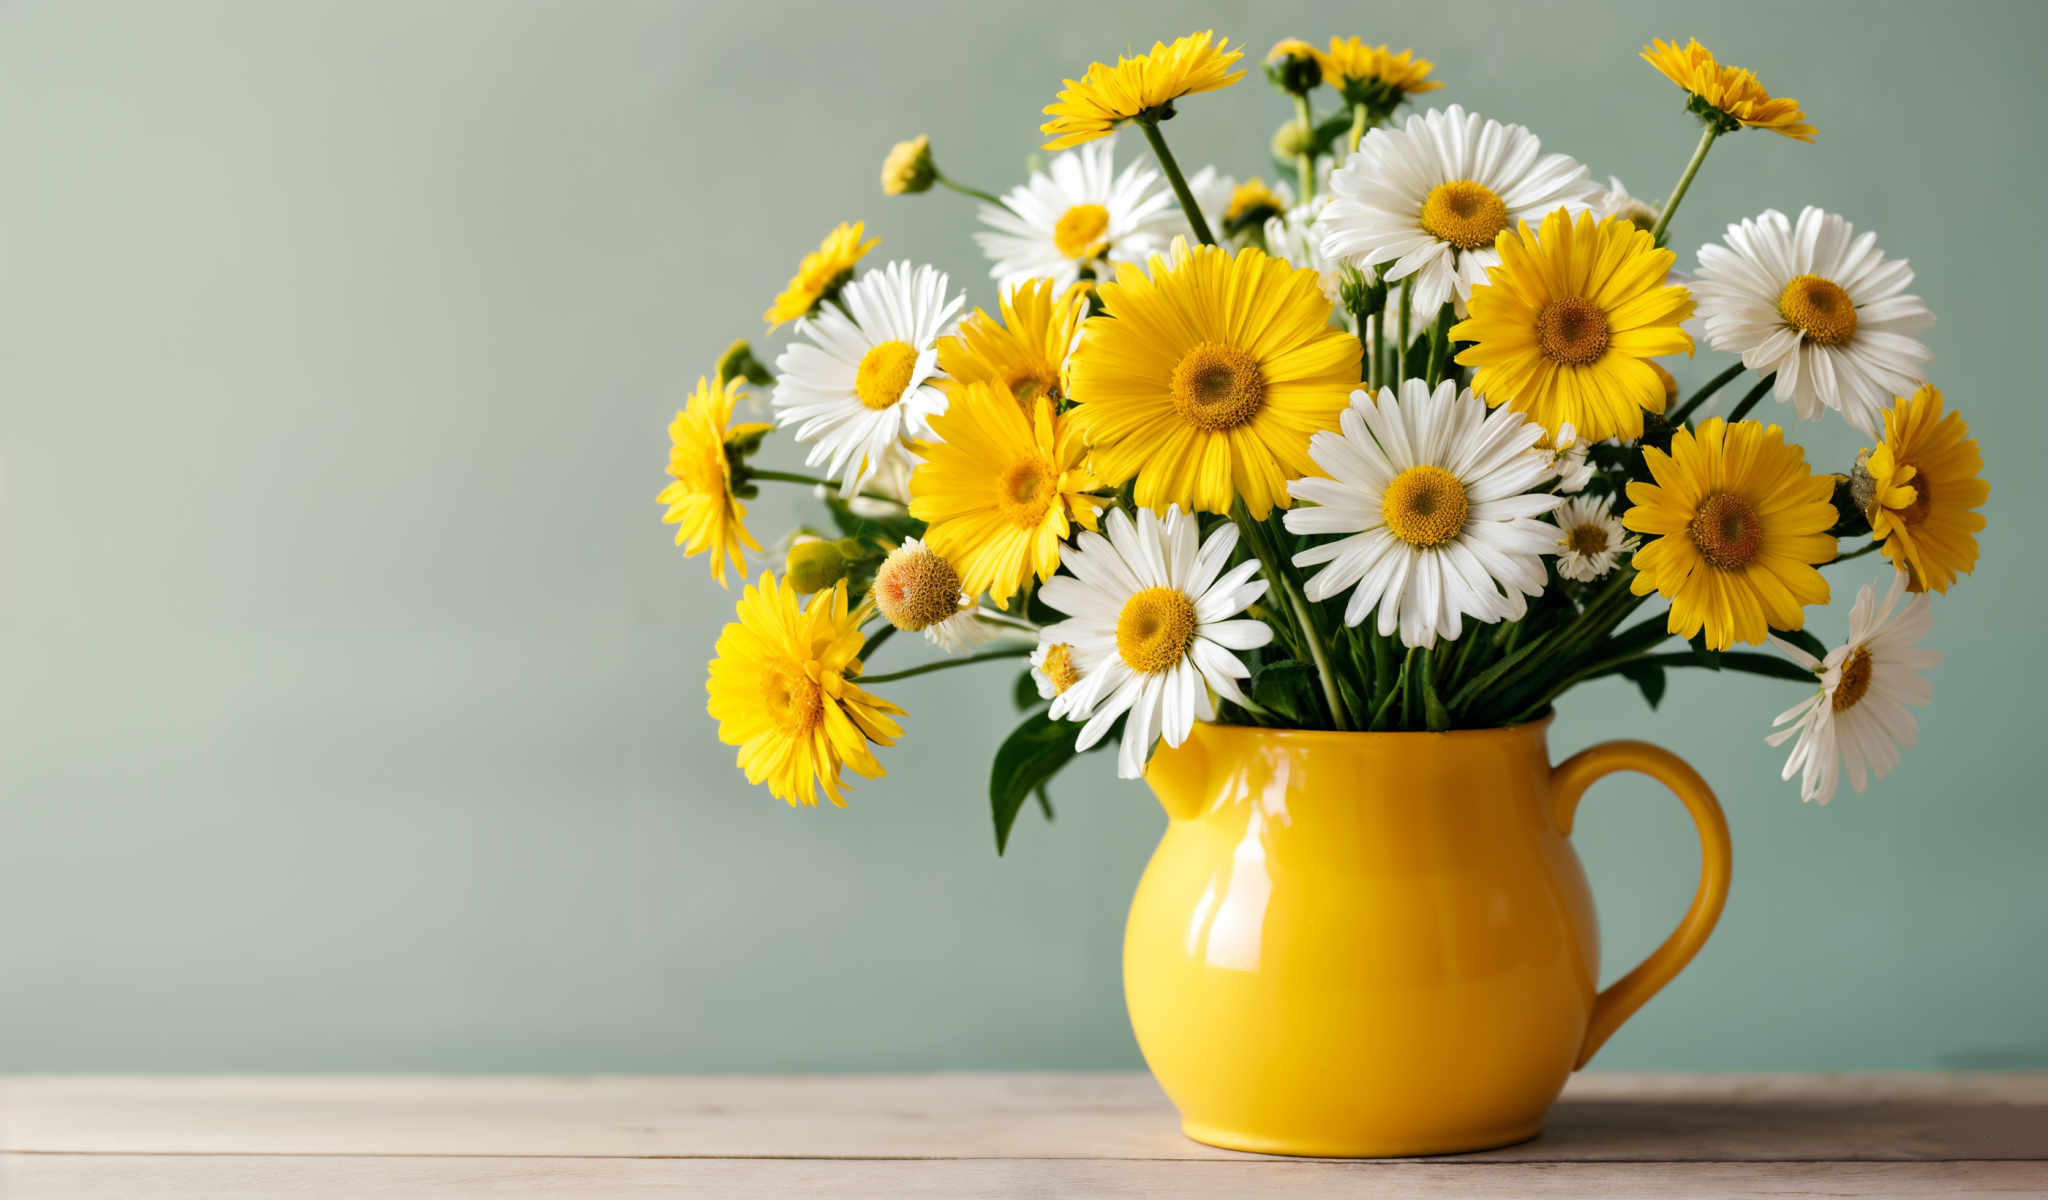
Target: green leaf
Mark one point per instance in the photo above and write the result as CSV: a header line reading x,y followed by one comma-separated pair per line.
x,y
1434,715
1024,693
1027,760
1647,676
1044,801
1287,687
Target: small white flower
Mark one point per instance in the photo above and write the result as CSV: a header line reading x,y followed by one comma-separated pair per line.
x,y
1571,456
1078,212
1859,716
1822,307
964,630
1435,495
865,380
1590,539
1055,671
1150,629
1294,236
1616,202
1430,196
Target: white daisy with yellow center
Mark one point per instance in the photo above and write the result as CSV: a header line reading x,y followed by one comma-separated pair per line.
x,y
1858,718
1151,631
1436,498
862,378
1823,308
1078,212
1431,196
1590,538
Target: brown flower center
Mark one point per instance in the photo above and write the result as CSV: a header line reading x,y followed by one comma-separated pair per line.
x,y
1217,387
884,373
1818,308
1923,502
1571,330
1727,531
1425,506
1855,681
1154,629
1078,233
1466,214
916,589
1587,539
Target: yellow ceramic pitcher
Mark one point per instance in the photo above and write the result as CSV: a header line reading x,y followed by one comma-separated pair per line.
x,y
1369,944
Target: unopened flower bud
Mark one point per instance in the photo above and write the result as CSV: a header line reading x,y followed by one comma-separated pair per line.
x,y
1294,67
908,169
815,564
1292,140
915,588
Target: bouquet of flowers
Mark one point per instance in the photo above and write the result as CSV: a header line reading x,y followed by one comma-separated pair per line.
x,y
1385,446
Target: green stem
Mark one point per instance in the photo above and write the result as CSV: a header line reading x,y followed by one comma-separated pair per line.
x,y
1748,402
1193,211
1401,331
875,643
814,481
1679,414
1283,583
964,190
1692,168
1305,162
1872,548
1440,344
1357,125
943,664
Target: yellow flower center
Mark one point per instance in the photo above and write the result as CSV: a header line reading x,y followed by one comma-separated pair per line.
x,y
1855,681
884,373
1028,383
1727,531
1818,308
1587,539
1217,387
1466,214
1571,330
793,700
1079,231
1154,629
916,589
1425,506
1059,667
1026,492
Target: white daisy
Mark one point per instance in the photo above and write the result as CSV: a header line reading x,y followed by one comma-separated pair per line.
x,y
1822,307
1077,212
1435,495
1150,629
1055,671
1430,197
1571,456
1590,539
866,378
1296,237
1859,717
1616,202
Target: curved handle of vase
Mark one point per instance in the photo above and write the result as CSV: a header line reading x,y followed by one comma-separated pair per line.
x,y
1568,783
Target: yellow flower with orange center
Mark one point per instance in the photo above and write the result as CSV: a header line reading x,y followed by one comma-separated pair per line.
x,y
1736,523
1925,491
1730,92
1095,104
1205,379
1025,351
700,502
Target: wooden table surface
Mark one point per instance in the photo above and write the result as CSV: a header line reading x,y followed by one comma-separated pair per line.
x,y
978,1134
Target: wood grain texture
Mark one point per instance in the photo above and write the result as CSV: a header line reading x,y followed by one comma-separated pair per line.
x,y
974,1134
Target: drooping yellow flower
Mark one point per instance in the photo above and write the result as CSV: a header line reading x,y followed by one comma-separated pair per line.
x,y
1925,492
1374,75
782,690
1729,92
908,168
1565,327
1206,379
1001,486
1095,104
1736,523
1251,203
700,502
1026,351
824,269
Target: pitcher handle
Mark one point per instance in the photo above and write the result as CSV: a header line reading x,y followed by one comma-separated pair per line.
x,y
1568,782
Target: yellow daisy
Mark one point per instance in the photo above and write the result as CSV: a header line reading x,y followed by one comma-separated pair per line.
x,y
700,502
908,168
1206,379
1565,327
1730,94
1374,75
1736,525
1026,351
823,271
1252,203
782,690
1001,486
1095,104
1925,492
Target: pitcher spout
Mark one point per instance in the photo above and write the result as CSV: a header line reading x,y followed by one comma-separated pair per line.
x,y
1179,777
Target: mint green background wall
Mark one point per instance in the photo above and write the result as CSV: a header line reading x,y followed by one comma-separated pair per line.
x,y
351,696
